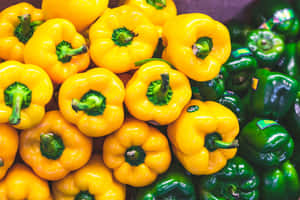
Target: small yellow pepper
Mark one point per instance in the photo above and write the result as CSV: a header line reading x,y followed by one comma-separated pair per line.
x,y
58,49
158,93
203,137
137,153
21,183
17,24
93,101
54,148
9,141
121,37
197,45
24,92
94,181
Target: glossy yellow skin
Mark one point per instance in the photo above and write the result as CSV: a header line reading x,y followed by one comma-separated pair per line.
x,y
182,32
153,142
9,141
10,46
81,13
95,178
41,49
105,53
21,183
142,108
37,80
103,81
78,147
187,135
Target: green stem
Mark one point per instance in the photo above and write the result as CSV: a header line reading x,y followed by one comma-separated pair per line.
x,y
202,47
123,36
1,162
158,4
142,62
214,141
135,155
265,44
234,191
84,195
15,116
65,51
51,146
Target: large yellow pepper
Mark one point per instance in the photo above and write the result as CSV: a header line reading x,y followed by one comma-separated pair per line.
x,y
17,24
24,92
137,153
93,101
203,137
158,93
197,45
21,183
121,37
92,182
9,141
81,13
58,48
54,148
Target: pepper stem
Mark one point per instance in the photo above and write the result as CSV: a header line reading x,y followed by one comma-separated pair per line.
x,y
1,162
234,191
51,146
15,116
226,145
84,195
214,141
202,47
158,4
135,155
64,51
265,44
123,36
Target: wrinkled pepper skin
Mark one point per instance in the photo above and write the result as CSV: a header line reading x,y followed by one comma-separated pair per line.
x,y
137,153
93,101
237,180
238,31
272,94
13,36
58,49
265,143
121,37
203,137
81,13
280,183
25,90
158,93
21,183
93,181
204,42
54,148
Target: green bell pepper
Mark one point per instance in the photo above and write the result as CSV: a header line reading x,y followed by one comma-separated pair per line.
x,y
237,180
281,183
292,118
238,31
265,143
266,46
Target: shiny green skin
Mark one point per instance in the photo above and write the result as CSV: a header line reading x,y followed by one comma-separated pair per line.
x,y
266,46
238,31
280,183
237,180
265,147
292,118
274,95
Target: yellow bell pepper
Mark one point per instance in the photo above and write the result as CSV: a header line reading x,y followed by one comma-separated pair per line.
x,y
9,141
81,13
92,182
54,148
197,45
21,183
203,137
93,101
58,49
120,37
137,153
158,93
24,92
17,24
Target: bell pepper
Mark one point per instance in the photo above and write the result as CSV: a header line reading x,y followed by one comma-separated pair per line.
x,y
54,148
203,137
280,183
158,93
137,153
9,141
58,49
238,31
292,118
121,37
266,143
17,25
22,183
272,94
93,101
197,45
237,180
94,181
81,13
26,89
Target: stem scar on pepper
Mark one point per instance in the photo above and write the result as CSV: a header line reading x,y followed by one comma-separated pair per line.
x,y
84,195
65,51
51,146
202,47
214,141
123,36
158,4
135,155
1,162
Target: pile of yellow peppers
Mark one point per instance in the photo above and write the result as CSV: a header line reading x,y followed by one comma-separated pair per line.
x,y
82,99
